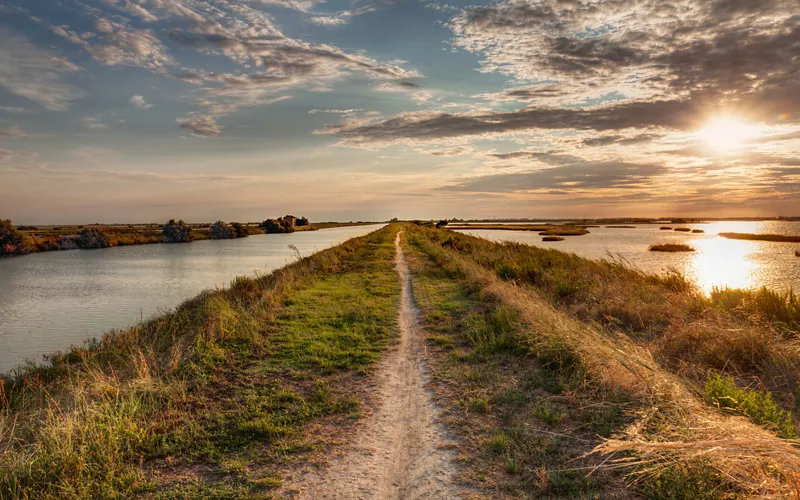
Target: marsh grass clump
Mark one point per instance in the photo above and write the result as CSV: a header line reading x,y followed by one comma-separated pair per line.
x,y
552,238
697,231
665,228
621,227
671,247
683,229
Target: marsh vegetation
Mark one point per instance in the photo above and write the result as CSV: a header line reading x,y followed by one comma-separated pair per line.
x,y
671,247
547,366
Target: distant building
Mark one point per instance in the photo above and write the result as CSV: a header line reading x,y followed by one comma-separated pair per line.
x,y
290,219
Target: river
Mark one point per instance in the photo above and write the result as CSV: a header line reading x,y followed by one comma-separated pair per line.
x,y
51,300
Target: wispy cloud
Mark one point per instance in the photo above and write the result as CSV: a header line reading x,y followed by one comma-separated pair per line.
x,y
34,73
140,102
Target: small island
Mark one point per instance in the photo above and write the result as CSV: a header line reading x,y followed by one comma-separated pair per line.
x,y
671,247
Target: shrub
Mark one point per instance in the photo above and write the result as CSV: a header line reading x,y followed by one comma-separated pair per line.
x,y
302,221
239,230
273,226
441,224
92,238
12,241
221,231
760,407
177,232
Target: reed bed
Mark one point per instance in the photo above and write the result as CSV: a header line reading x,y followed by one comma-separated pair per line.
x,y
671,247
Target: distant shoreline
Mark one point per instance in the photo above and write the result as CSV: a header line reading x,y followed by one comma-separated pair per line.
x,y
49,238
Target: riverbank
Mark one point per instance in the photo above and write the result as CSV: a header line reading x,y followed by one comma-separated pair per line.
x,y
554,375
22,240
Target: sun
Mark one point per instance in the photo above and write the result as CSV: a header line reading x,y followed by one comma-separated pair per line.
x,y
727,133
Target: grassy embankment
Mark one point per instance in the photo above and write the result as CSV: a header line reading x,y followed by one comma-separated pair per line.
x,y
542,357
217,399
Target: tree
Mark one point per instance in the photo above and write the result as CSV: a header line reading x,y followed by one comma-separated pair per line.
x,y
272,226
177,232
302,221
92,238
239,230
12,241
441,224
221,231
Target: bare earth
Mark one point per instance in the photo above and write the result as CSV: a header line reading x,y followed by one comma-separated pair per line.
x,y
399,451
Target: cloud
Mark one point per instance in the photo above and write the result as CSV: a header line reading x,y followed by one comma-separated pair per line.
x,y
435,125
200,125
335,111
13,132
414,90
568,176
344,16
716,49
121,45
622,140
140,103
34,73
12,109
93,122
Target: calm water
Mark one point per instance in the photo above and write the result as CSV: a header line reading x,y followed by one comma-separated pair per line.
x,y
49,301
716,262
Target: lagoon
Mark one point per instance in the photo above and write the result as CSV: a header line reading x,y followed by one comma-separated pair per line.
x,y
717,261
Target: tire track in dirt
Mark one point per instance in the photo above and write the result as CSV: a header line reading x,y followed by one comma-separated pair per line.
x,y
398,451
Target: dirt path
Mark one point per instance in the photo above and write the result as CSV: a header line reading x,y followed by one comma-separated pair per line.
x,y
397,451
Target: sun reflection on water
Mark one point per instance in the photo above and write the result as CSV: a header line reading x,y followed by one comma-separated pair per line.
x,y
719,262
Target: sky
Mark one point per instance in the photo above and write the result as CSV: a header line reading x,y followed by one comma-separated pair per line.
x,y
146,110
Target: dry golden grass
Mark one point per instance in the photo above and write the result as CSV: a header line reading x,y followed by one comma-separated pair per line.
x,y
675,424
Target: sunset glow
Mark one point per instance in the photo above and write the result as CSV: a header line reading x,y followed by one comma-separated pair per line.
x,y
728,133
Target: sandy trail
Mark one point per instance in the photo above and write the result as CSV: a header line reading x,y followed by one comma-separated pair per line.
x,y
397,451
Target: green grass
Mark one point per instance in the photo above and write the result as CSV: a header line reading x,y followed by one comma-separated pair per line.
x,y
504,397
214,400
758,406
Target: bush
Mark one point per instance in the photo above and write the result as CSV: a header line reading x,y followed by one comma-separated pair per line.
x,y
221,231
177,232
441,224
273,226
92,238
12,241
302,221
239,230
760,407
